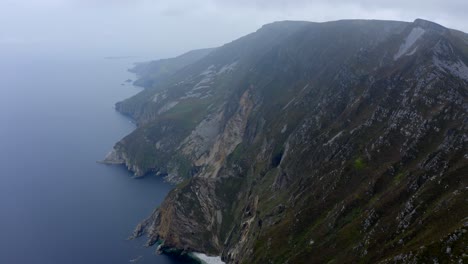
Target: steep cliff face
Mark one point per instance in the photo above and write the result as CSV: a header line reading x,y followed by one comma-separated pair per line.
x,y
180,114
335,142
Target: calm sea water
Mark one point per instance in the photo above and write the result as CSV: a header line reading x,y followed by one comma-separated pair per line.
x,y
57,205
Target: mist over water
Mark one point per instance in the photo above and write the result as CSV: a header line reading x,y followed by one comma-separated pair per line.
x,y
57,205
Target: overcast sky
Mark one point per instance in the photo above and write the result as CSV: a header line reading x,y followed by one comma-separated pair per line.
x,y
161,28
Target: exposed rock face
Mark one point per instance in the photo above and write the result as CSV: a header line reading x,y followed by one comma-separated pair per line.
x,y
312,143
226,141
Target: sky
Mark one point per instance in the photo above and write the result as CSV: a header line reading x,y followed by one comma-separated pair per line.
x,y
165,28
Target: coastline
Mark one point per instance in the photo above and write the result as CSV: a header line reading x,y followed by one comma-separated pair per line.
x,y
63,127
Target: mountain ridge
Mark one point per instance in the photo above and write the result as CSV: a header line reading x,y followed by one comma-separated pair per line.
x,y
346,138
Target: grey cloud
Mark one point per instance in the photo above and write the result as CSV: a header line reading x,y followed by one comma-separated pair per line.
x,y
167,27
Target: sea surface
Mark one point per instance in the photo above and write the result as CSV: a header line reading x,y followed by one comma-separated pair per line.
x,y
57,205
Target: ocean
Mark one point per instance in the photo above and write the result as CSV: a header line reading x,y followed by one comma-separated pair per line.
x,y
57,205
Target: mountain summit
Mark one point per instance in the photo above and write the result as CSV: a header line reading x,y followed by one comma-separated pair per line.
x,y
336,142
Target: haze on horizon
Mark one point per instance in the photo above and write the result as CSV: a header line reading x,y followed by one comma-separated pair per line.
x,y
160,28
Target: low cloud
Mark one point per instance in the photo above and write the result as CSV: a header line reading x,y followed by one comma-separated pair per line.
x,y
165,28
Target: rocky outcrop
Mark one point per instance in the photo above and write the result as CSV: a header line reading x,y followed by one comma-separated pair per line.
x,y
117,157
114,157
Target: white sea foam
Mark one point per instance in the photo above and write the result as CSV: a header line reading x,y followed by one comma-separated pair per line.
x,y
208,259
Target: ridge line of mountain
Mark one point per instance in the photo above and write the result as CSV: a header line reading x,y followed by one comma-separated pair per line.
x,y
346,138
